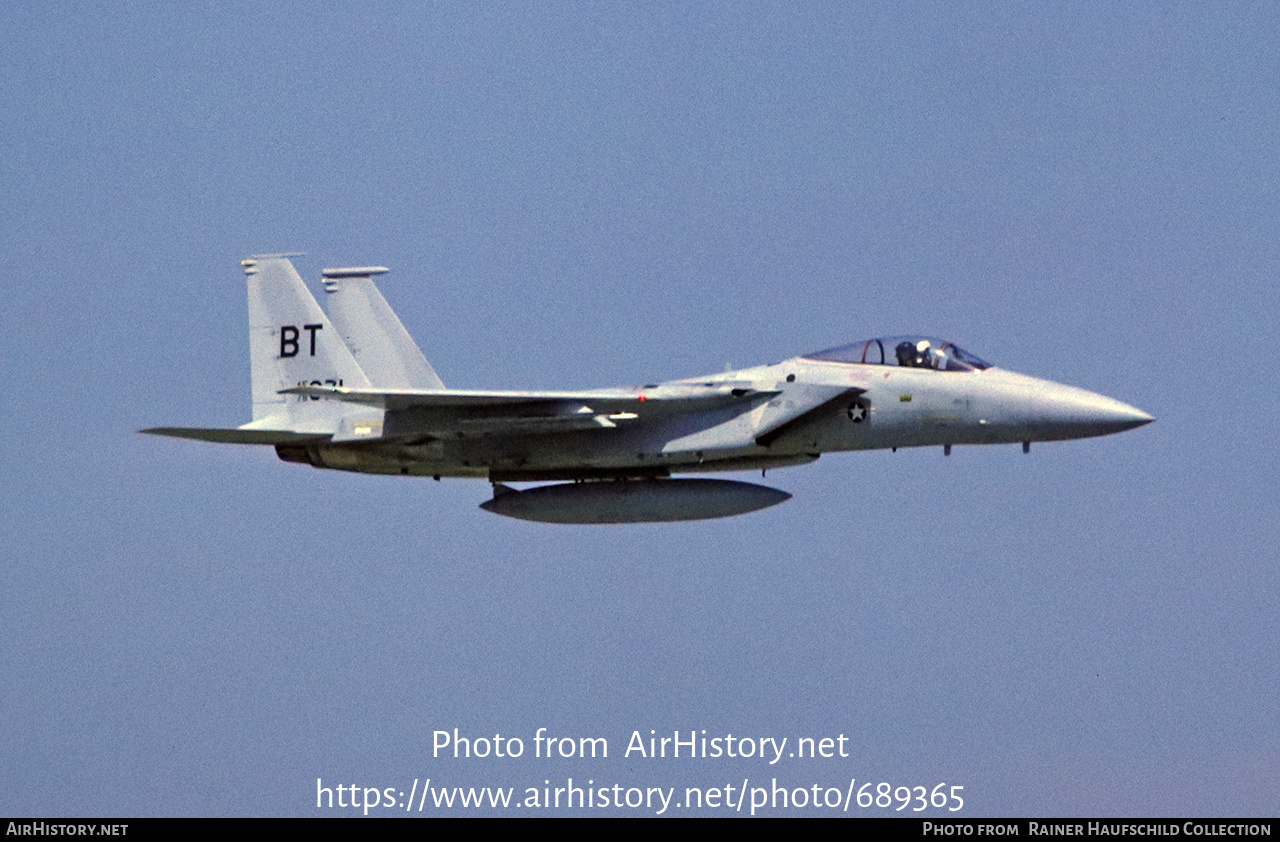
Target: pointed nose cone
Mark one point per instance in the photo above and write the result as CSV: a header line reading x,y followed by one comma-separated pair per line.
x,y
1112,416
1076,413
1030,409
1126,417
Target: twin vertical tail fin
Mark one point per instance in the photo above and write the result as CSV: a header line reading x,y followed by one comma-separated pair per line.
x,y
371,331
291,343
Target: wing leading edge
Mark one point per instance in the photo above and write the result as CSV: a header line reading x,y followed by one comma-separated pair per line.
x,y
417,412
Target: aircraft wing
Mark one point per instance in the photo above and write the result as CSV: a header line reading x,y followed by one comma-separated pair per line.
x,y
661,399
439,411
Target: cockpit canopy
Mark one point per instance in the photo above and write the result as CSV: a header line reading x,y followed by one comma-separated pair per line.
x,y
910,351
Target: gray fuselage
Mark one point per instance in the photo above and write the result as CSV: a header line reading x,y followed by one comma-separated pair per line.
x,y
871,407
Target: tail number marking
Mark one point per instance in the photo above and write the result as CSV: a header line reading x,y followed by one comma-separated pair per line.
x,y
302,398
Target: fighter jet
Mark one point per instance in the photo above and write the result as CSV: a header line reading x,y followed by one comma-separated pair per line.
x,y
350,390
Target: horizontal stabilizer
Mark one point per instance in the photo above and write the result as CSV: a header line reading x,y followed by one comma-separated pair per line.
x,y
234,436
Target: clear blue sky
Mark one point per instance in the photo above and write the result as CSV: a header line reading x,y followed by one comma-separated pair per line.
x,y
581,195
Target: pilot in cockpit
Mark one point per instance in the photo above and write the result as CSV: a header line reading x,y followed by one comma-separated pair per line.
x,y
919,355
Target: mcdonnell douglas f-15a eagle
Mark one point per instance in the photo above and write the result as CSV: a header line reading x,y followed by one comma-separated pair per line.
x,y
350,390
